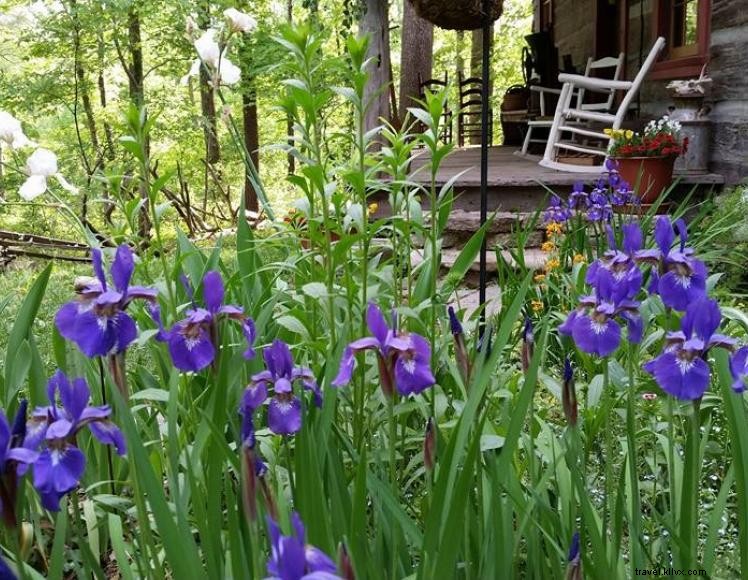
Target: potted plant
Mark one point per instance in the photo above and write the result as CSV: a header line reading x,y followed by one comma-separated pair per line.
x,y
645,160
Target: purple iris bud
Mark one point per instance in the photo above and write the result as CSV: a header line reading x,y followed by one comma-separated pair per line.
x,y
557,211
252,466
569,394
739,369
193,341
528,344
461,355
284,409
97,321
346,566
404,359
611,165
18,432
593,326
454,323
682,369
574,559
60,465
12,456
291,558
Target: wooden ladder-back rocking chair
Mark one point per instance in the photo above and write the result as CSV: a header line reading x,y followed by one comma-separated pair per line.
x,y
469,115
593,68
572,119
434,86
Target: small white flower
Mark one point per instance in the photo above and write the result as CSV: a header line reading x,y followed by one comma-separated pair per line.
x,y
193,72
41,165
239,21
229,73
208,49
11,132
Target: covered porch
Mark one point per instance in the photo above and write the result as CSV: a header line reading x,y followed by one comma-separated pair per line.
x,y
518,183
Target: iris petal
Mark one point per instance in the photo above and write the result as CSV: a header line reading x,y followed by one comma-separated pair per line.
x,y
284,415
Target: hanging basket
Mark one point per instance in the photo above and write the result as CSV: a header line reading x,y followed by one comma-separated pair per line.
x,y
466,15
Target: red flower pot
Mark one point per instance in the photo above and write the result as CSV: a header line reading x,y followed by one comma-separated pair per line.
x,y
650,176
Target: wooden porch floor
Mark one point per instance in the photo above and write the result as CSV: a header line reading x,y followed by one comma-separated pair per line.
x,y
507,170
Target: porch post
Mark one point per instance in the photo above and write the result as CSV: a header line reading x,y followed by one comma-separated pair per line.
x,y
485,120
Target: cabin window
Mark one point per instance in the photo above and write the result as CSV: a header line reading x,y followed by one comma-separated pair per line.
x,y
685,26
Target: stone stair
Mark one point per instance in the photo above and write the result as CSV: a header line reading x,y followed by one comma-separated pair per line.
x,y
503,231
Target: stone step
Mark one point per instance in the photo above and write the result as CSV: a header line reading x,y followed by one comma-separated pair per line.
x,y
502,231
534,259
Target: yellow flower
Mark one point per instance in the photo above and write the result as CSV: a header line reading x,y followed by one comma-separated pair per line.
x,y
552,264
579,259
536,305
373,207
554,228
608,131
548,246
629,134
539,278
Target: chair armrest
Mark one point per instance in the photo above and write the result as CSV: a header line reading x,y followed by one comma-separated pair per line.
x,y
539,89
594,83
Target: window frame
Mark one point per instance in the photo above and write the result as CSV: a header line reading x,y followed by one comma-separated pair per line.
x,y
690,60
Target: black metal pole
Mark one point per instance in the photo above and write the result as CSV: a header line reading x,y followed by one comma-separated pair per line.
x,y
485,120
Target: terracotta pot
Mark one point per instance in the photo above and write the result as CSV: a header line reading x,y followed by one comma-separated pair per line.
x,y
652,174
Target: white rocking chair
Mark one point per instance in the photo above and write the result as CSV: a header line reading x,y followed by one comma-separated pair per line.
x,y
571,120
593,67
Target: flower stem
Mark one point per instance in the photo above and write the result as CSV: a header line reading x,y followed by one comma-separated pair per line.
x,y
608,442
392,440
635,516
689,509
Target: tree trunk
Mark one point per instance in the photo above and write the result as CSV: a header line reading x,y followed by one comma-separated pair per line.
x,y
289,118
136,79
207,100
417,57
460,60
252,142
250,124
102,97
375,24
135,73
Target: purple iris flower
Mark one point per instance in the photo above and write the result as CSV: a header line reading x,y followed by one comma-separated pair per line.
x,y
60,465
12,456
579,199
593,325
557,211
621,263
291,558
681,278
284,410
682,370
623,195
404,359
739,369
193,341
574,559
97,321
599,208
